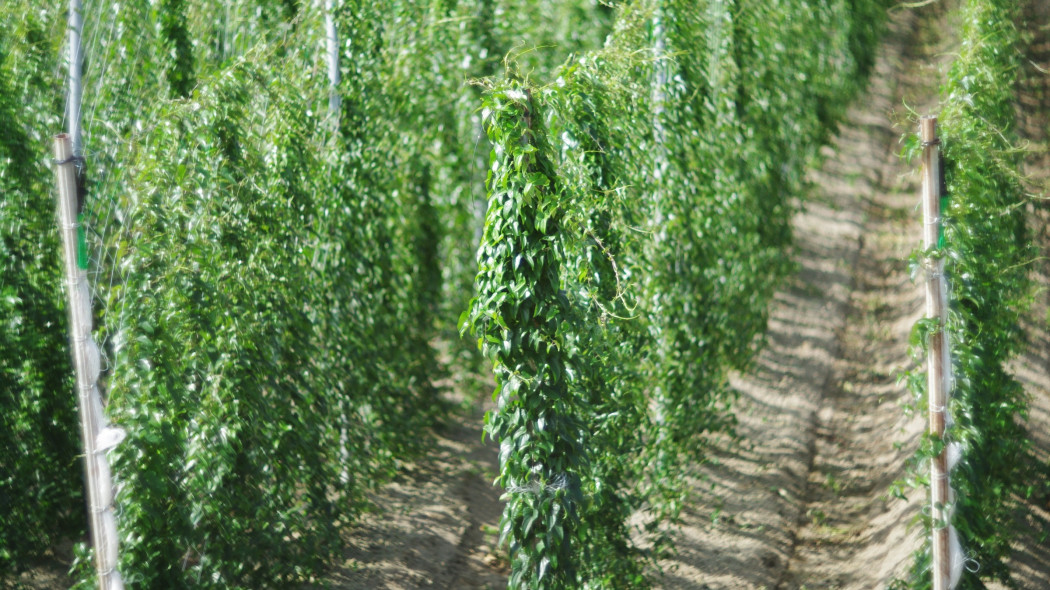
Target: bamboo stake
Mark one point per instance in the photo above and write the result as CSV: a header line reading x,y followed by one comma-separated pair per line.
x,y
935,308
86,363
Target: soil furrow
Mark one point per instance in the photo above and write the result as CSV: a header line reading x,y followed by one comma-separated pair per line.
x,y
804,503
850,532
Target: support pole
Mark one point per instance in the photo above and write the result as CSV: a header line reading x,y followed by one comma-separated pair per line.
x,y
659,104
660,164
332,38
76,89
95,436
935,374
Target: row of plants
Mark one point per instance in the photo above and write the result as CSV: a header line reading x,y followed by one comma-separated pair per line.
x,y
987,253
267,274
638,224
234,379
40,476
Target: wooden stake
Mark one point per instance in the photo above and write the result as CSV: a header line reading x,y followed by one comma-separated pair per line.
x,y
935,374
85,362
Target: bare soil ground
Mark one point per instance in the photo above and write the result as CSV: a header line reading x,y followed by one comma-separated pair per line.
x,y
805,501
437,522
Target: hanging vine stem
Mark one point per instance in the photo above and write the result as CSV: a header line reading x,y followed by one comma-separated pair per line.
x,y
621,289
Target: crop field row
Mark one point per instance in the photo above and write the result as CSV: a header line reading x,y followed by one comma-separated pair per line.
x,y
293,221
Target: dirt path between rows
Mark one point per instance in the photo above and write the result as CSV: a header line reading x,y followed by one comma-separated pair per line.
x,y
806,502
436,523
1031,550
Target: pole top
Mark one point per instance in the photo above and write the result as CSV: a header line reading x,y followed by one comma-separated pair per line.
x,y
63,149
928,128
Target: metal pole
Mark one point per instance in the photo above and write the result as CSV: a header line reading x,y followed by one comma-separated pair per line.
x,y
86,363
659,101
76,58
332,36
935,309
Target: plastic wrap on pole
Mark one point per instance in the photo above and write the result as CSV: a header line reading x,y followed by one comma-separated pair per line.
x,y
93,361
97,415
108,438
958,559
109,541
105,482
954,451
84,300
946,358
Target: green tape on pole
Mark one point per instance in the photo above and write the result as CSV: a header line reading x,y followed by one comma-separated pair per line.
x,y
82,253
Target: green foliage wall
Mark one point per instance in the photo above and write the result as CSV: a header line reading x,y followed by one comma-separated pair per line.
x,y
277,248
216,370
436,53
266,285
40,476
